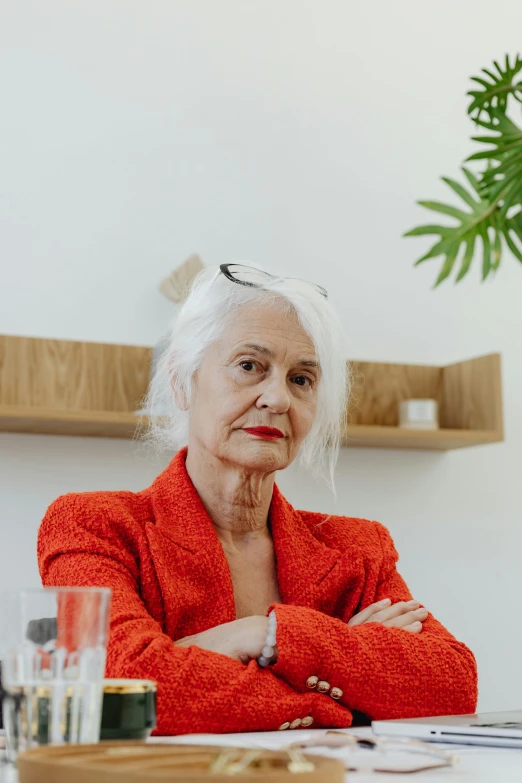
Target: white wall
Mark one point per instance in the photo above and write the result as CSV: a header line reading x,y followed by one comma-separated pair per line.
x,y
296,134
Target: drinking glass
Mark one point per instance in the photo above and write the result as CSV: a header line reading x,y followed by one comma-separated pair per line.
x,y
54,648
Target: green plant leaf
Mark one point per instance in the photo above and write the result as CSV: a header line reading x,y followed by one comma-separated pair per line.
x,y
513,225
515,222
496,89
512,246
497,249
471,224
486,254
492,76
446,209
508,194
473,181
498,184
506,146
503,139
492,194
426,230
499,69
448,265
497,121
460,191
482,82
508,163
467,258
438,249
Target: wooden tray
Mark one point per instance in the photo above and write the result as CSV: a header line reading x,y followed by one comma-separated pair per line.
x,y
135,762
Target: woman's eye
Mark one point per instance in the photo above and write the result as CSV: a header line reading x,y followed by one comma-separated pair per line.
x,y
247,365
302,380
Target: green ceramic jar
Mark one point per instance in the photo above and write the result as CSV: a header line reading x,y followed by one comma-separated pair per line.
x,y
129,709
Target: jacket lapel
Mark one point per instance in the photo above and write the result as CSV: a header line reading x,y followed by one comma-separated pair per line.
x,y
310,573
190,564
193,573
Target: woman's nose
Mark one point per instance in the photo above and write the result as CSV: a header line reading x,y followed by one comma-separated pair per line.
x,y
274,395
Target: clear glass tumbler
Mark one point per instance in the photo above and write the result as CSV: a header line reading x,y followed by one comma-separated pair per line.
x,y
54,648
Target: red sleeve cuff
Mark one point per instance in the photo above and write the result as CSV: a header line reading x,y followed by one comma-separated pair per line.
x,y
302,650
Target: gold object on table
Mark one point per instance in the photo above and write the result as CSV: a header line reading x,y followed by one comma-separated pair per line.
x,y
129,686
132,762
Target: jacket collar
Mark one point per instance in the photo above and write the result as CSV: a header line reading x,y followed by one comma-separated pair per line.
x,y
304,564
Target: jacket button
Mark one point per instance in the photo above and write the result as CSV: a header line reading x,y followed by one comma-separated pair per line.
x,y
307,721
312,681
323,686
336,693
295,723
284,726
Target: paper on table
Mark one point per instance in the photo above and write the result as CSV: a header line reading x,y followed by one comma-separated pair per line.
x,y
361,759
269,740
367,760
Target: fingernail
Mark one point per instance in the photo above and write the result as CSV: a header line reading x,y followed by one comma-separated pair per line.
x,y
413,603
384,602
422,610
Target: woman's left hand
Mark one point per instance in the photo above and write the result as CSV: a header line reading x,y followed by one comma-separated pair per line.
x,y
408,615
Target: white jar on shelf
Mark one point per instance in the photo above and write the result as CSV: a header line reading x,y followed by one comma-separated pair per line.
x,y
419,414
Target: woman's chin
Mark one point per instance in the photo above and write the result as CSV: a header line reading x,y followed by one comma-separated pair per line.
x,y
264,455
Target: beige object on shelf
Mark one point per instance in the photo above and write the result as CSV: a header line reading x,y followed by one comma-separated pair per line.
x,y
177,285
72,388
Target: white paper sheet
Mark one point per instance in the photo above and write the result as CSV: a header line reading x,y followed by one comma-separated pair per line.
x,y
362,759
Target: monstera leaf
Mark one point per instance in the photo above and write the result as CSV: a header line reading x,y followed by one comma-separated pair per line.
x,y
496,89
490,217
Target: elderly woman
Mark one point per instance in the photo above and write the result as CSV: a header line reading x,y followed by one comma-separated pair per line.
x,y
251,615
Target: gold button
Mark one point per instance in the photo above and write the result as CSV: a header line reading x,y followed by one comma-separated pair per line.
x,y
307,721
284,726
323,686
312,681
295,723
336,693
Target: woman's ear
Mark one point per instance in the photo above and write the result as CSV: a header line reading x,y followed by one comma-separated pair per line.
x,y
181,398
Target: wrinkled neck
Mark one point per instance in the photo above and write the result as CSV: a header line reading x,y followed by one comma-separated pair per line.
x,y
236,500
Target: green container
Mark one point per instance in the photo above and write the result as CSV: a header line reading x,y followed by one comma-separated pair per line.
x,y
129,709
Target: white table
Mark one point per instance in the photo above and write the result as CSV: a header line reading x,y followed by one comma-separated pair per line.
x,y
476,765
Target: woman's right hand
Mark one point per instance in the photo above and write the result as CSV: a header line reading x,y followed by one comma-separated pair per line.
x,y
407,615
241,639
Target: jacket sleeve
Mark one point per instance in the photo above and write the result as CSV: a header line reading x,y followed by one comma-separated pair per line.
x,y
383,672
198,690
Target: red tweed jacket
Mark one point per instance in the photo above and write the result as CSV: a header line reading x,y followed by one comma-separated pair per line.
x,y
158,551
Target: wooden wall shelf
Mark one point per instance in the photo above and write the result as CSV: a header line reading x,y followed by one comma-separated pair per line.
x,y
469,395
372,436
60,387
46,421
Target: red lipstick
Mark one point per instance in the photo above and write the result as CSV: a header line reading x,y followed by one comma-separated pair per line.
x,y
268,433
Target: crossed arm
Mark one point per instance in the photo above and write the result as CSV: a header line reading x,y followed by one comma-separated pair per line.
x,y
384,664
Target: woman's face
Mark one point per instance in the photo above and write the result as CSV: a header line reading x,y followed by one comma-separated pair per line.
x,y
263,373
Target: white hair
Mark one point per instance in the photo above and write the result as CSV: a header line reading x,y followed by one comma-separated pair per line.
x,y
203,319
